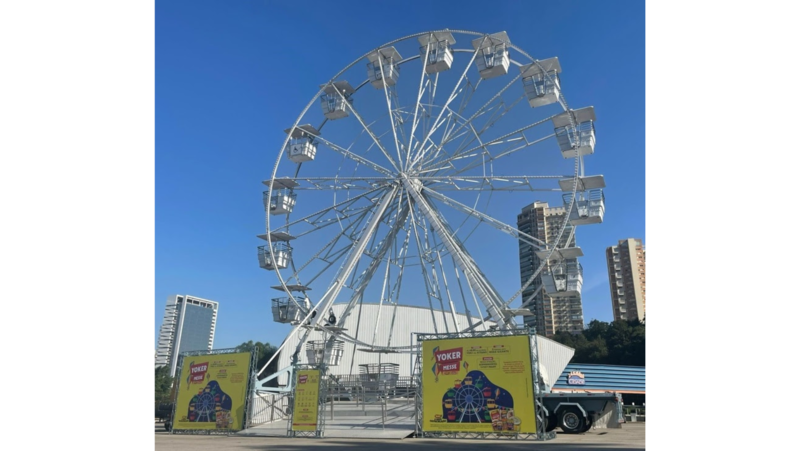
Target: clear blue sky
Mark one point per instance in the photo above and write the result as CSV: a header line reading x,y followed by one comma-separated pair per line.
x,y
231,76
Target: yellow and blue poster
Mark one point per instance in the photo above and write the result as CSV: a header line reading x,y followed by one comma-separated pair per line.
x,y
212,392
306,401
478,385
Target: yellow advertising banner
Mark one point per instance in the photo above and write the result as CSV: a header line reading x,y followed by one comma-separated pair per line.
x,y
212,392
478,385
306,401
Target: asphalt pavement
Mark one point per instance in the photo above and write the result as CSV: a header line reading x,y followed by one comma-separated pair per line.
x,y
630,437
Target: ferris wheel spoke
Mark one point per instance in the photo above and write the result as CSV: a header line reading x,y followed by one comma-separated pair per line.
x,y
373,250
497,112
446,139
330,256
464,298
369,131
314,218
338,219
436,290
431,144
392,119
447,291
460,154
355,157
420,252
369,272
493,183
501,110
395,293
511,148
486,292
436,123
342,275
423,82
499,225
342,183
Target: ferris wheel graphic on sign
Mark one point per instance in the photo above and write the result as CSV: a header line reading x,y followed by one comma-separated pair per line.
x,y
475,399
383,181
469,402
201,408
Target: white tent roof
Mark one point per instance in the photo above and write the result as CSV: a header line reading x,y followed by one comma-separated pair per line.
x,y
553,356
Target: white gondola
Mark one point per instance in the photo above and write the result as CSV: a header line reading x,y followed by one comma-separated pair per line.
x,y
589,205
563,279
281,202
541,83
492,58
581,139
335,99
329,352
440,52
379,376
287,311
283,199
382,67
301,146
283,252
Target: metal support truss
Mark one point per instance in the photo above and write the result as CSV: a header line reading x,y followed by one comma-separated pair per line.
x,y
322,395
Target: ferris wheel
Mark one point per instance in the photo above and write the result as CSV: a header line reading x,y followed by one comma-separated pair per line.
x,y
403,189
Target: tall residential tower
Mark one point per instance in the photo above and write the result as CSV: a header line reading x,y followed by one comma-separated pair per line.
x,y
626,278
188,325
552,311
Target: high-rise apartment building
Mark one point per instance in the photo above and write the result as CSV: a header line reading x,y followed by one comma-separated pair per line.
x,y
188,325
552,312
626,277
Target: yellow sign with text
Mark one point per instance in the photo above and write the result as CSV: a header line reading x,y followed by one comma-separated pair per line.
x,y
212,392
478,385
306,401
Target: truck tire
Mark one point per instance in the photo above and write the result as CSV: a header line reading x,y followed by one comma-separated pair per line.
x,y
588,424
552,423
571,420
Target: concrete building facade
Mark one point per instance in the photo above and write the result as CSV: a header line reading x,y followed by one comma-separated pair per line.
x,y
188,325
626,277
550,315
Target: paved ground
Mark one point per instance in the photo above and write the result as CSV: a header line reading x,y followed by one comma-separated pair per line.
x,y
629,437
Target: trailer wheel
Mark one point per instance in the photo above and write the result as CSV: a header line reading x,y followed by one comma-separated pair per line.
x,y
552,423
571,421
588,424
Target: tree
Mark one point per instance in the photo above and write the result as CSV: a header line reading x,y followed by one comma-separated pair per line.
x,y
264,352
596,329
617,343
163,384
